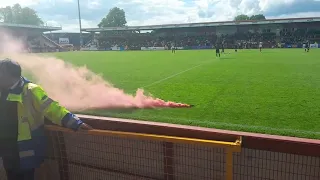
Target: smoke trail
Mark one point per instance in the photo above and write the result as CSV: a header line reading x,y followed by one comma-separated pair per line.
x,y
76,88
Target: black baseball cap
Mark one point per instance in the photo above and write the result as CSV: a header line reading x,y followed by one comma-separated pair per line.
x,y
10,67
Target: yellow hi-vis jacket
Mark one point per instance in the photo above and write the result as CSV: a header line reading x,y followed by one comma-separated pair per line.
x,y
33,106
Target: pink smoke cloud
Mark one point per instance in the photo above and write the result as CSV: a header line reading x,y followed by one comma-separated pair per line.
x,y
76,88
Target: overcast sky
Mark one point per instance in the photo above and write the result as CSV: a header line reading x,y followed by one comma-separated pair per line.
x,y
151,12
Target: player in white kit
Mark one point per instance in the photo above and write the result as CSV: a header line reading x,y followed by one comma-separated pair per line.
x,y
260,46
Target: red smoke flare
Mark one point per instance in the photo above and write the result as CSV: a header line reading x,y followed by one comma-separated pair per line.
x,y
151,104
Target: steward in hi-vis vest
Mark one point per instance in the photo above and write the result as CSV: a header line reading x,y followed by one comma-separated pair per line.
x,y
23,108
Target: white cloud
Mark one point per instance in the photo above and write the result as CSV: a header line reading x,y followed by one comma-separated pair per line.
x,y
175,11
94,4
72,25
4,3
151,12
295,15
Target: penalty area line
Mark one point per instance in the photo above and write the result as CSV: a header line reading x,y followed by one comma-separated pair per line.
x,y
174,75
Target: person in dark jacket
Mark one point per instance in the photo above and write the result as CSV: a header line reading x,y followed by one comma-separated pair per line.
x,y
217,50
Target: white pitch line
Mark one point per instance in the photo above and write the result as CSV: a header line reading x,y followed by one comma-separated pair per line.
x,y
174,75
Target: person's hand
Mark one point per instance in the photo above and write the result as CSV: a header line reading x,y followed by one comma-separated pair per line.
x,y
85,127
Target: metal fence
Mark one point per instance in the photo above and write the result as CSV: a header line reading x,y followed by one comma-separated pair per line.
x,y
102,154
128,155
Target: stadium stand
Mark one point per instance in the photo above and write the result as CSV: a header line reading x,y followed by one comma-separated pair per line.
x,y
243,34
32,36
71,40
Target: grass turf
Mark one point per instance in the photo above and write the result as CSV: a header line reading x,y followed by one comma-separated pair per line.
x,y
275,92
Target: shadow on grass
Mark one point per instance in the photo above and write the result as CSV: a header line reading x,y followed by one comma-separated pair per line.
x,y
123,111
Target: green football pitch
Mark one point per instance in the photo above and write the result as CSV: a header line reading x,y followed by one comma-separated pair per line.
x,y
275,92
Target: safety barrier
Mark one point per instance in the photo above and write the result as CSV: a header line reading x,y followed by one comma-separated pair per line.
x,y
128,149
127,155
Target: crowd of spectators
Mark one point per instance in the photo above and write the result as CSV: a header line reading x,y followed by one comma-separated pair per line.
x,y
135,40
148,40
179,38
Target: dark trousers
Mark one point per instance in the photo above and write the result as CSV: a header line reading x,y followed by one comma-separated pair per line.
x,y
20,174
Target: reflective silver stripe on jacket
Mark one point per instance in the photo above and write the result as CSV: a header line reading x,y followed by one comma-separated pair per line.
x,y
25,119
36,125
45,105
72,120
28,153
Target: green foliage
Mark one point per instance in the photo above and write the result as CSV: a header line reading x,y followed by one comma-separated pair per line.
x,y
275,92
243,17
258,17
18,15
115,18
